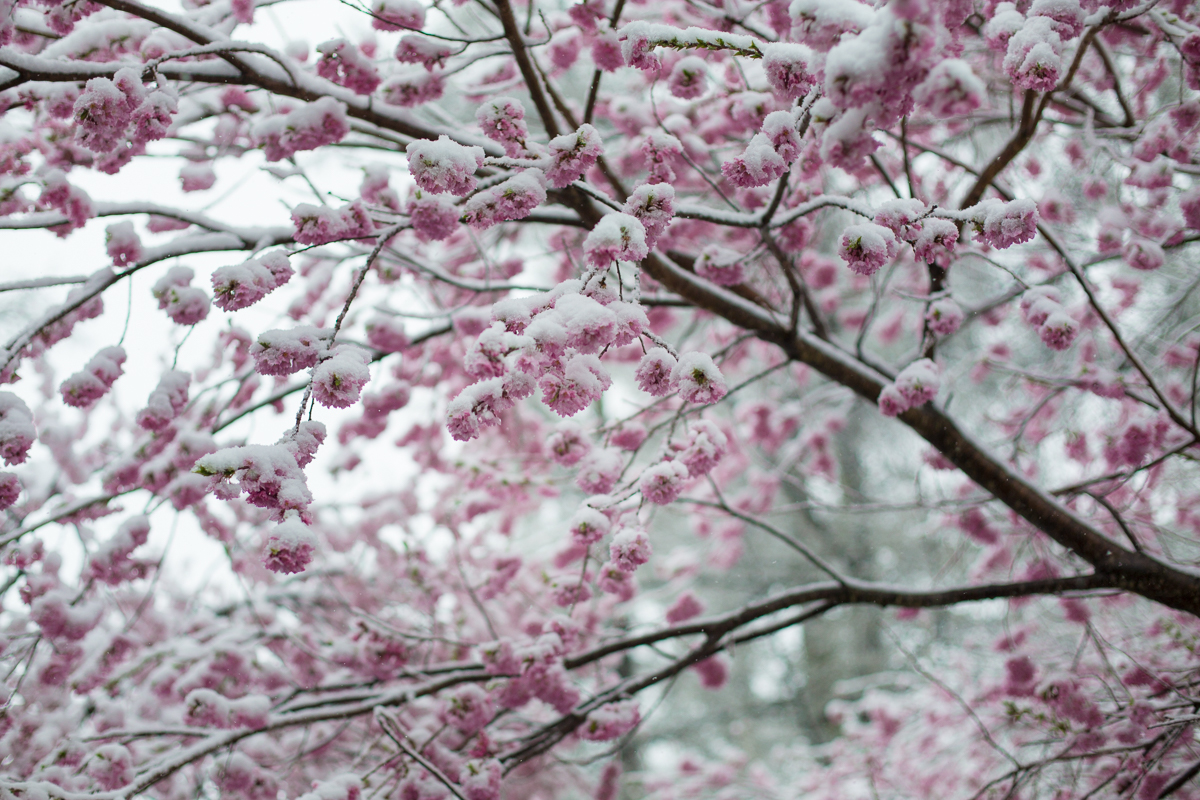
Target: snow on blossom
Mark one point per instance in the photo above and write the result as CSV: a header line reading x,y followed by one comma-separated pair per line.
x,y
689,78
503,121
304,441
632,321
610,721
289,547
386,334
758,164
184,304
468,708
637,50
346,786
1143,254
345,65
616,237
1038,303
433,217
238,286
10,490
123,244
1059,330
581,381
515,198
936,238
104,109
573,154
821,24
338,380
661,483
866,247
944,316
720,265
567,444
476,407
612,580
480,779
1067,15
166,402
656,372
196,176
917,384
950,89
417,49
901,216
703,447
1033,59
308,127
780,129
444,165
267,474
653,205
590,326
60,617
630,548
110,766
73,202
95,379
285,352
17,433
410,89
1006,20
599,470
660,149
789,69
486,358
588,526
1005,224
323,224
394,15
110,562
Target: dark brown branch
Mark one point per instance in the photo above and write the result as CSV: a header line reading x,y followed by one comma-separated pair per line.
x,y
512,32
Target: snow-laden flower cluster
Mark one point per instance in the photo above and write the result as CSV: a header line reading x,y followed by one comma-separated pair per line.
x,y
345,65
515,198
616,237
444,165
95,379
185,304
917,384
323,224
573,154
308,127
166,402
1041,307
120,114
241,285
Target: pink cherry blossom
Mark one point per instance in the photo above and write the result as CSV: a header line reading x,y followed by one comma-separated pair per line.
x,y
944,316
289,547
338,379
867,247
515,198
689,78
444,165
572,155
616,237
